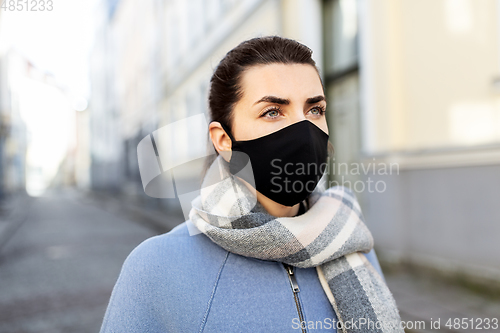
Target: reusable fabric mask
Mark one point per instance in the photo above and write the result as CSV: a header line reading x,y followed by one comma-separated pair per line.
x,y
287,164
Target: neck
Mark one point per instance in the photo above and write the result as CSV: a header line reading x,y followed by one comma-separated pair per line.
x,y
272,207
277,209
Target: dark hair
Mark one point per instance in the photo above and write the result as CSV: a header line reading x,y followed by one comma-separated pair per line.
x,y
225,84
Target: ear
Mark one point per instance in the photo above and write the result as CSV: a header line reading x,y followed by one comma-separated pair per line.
x,y
219,137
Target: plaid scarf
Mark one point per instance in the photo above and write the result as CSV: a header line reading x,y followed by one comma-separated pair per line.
x,y
329,236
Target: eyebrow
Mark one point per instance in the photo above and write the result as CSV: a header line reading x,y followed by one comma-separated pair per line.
x,y
284,101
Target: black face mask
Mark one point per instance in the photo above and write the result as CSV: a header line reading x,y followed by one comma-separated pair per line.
x,y
287,164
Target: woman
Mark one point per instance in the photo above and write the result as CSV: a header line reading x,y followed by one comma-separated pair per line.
x,y
266,247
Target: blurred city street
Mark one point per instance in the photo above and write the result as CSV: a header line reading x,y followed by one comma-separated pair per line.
x,y
424,298
59,264
104,125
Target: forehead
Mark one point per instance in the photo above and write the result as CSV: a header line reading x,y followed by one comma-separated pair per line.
x,y
283,80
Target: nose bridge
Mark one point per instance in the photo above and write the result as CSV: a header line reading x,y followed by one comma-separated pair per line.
x,y
297,113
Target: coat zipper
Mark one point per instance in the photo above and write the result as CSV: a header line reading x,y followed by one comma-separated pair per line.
x,y
296,290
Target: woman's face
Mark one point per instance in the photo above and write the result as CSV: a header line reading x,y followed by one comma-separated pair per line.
x,y
276,96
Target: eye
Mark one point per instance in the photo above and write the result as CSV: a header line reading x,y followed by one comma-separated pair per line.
x,y
318,110
272,112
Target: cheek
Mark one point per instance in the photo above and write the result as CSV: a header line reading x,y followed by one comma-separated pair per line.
x,y
243,129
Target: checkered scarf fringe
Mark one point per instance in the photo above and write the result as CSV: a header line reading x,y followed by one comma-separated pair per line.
x,y
329,236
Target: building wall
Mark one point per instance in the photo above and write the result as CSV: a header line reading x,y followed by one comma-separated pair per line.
x,y
13,130
446,218
430,105
432,66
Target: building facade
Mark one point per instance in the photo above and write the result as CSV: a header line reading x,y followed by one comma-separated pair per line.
x,y
416,115
413,106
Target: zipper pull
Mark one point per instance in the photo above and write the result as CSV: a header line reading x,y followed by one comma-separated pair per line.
x,y
291,277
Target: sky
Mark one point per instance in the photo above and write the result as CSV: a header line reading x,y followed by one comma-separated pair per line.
x,y
57,41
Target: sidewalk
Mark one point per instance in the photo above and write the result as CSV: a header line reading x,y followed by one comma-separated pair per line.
x,y
425,297
159,220
58,269
13,209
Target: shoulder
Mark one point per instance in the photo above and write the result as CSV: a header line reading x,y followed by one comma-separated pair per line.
x,y
176,259
160,288
182,246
